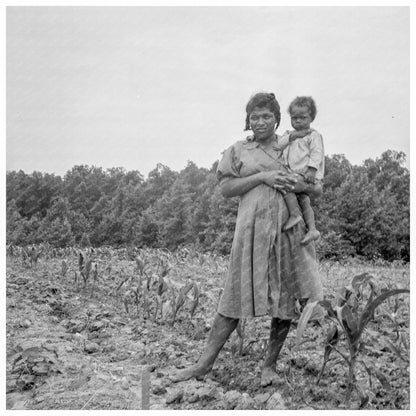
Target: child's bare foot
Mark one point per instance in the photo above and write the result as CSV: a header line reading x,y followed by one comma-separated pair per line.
x,y
196,371
269,376
311,235
292,221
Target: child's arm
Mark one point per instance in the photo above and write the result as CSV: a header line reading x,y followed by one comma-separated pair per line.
x,y
298,134
289,136
317,154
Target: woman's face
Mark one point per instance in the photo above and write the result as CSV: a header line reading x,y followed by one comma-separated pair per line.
x,y
262,123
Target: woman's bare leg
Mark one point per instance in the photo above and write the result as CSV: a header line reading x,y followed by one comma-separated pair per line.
x,y
278,332
220,332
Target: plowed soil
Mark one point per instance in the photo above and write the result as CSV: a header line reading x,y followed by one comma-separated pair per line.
x,y
75,347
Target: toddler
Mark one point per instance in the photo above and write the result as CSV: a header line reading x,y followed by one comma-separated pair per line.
x,y
303,153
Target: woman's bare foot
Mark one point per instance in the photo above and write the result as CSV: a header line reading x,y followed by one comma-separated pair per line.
x,y
311,235
196,371
292,221
269,376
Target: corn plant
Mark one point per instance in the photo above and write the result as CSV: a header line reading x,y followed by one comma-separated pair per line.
x,y
80,261
141,266
64,268
162,288
30,256
94,273
24,253
195,300
10,250
126,278
350,318
135,292
87,268
201,259
34,255
178,300
132,295
77,279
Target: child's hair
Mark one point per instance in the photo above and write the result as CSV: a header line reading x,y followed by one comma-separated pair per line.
x,y
263,99
304,102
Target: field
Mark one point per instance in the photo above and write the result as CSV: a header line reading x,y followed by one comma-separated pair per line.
x,y
105,331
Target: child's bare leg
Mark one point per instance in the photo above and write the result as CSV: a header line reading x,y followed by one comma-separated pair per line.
x,y
309,217
294,210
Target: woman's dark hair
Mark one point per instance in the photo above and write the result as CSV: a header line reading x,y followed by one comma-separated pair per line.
x,y
304,102
261,100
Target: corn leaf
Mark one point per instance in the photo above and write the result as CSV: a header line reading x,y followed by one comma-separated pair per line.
x,y
64,267
187,288
364,398
344,296
303,320
371,307
360,280
349,321
392,348
331,340
382,379
328,307
195,299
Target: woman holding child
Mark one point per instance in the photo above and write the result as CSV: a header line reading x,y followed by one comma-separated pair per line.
x,y
271,264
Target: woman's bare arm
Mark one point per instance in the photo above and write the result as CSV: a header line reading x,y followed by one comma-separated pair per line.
x,y
239,186
281,181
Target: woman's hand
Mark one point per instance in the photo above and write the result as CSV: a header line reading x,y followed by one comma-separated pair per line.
x,y
281,181
271,178
294,183
290,182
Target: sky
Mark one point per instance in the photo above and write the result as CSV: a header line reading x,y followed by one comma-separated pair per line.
x,y
135,86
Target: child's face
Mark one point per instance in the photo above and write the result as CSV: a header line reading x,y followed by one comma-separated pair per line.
x,y
300,118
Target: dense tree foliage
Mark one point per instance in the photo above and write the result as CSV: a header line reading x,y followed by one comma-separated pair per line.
x,y
364,210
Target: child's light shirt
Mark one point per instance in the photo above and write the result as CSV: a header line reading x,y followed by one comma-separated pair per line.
x,y
304,152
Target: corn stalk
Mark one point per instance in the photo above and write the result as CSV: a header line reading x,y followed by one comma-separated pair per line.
x,y
351,316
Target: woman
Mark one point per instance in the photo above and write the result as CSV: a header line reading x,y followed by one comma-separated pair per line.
x,y
269,269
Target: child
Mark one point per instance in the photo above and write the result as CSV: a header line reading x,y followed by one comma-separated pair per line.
x,y
303,154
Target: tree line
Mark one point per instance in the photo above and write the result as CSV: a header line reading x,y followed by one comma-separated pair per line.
x,y
364,210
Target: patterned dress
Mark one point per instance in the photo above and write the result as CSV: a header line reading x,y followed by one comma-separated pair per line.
x,y
268,268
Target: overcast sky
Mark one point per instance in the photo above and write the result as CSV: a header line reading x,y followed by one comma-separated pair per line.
x,y
134,86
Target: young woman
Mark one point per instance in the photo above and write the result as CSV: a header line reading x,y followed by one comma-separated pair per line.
x,y
266,262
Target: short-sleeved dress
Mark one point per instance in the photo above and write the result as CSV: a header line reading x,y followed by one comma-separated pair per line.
x,y
268,268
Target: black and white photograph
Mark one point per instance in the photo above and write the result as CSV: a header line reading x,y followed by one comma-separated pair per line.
x,y
207,207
